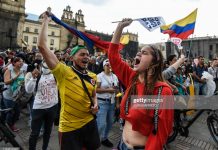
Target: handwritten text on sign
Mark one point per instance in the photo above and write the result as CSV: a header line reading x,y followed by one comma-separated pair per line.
x,y
152,23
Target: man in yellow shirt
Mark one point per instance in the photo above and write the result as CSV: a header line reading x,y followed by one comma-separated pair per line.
x,y
77,87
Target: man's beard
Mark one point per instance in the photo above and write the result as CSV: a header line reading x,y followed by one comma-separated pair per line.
x,y
78,67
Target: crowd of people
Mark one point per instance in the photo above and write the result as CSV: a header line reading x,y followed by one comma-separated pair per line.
x,y
82,92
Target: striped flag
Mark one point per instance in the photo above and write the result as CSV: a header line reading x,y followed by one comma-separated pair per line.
x,y
90,39
181,28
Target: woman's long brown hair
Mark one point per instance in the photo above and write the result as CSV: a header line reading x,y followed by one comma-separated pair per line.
x,y
157,67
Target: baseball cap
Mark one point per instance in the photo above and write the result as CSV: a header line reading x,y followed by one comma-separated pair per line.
x,y
105,62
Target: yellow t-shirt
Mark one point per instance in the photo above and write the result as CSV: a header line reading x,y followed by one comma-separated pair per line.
x,y
75,103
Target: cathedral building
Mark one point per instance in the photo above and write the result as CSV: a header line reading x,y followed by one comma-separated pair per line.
x,y
19,30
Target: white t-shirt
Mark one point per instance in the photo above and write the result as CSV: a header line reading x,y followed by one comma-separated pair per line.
x,y
213,72
107,81
47,92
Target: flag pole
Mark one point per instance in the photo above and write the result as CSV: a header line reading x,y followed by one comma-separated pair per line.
x,y
121,21
190,47
136,19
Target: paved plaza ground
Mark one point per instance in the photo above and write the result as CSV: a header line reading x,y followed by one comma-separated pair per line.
x,y
199,137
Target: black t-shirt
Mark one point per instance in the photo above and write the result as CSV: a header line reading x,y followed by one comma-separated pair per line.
x,y
188,69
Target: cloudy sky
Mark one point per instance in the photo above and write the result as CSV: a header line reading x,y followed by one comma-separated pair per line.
x,y
98,14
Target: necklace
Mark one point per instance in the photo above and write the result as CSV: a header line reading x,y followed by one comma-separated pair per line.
x,y
79,71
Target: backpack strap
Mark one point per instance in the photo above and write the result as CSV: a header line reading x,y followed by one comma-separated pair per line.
x,y
156,112
37,82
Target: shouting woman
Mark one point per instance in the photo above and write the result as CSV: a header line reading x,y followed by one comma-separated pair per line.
x,y
146,128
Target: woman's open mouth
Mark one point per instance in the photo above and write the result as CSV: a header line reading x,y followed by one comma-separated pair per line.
x,y
137,62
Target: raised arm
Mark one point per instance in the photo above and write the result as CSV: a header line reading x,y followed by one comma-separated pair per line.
x,y
119,67
117,34
50,58
177,64
169,72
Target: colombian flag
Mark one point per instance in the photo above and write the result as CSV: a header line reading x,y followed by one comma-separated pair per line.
x,y
89,39
181,28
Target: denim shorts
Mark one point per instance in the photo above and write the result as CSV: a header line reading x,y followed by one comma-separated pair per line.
x,y
123,146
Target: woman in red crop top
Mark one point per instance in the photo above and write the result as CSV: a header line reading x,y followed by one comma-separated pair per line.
x,y
144,79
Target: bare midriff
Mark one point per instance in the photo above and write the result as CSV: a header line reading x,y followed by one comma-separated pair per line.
x,y
132,138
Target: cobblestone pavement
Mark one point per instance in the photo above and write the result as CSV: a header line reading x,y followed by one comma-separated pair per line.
x,y
199,137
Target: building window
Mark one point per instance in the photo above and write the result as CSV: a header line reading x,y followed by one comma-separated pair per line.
x,y
52,33
26,39
52,42
27,29
211,47
36,30
34,39
51,48
34,48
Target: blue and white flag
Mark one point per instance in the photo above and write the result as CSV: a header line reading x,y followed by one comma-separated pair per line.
x,y
151,23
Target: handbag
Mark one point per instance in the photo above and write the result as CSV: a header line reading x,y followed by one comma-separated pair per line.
x,y
21,96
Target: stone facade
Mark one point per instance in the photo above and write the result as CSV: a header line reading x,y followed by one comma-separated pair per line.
x,y
24,31
31,32
76,21
12,17
132,47
129,50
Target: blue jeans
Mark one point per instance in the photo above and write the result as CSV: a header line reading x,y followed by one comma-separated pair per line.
x,y
123,146
40,116
199,88
105,117
13,115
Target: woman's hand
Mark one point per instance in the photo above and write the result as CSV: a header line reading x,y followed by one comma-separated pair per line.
x,y
125,22
117,34
35,73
